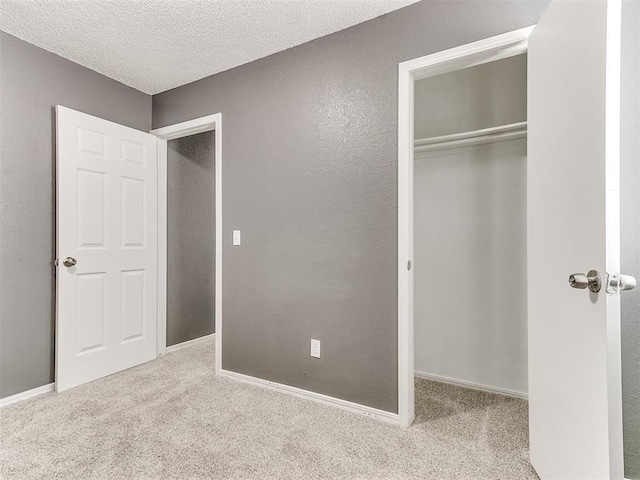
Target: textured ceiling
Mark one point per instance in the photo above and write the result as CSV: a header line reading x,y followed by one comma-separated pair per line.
x,y
155,45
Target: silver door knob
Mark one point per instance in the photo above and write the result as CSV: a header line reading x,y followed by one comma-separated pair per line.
x,y
628,282
69,262
591,280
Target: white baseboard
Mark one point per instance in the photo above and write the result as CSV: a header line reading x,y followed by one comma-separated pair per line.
x,y
190,343
471,385
316,397
18,397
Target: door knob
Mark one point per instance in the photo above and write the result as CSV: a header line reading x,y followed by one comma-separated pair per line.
x,y
616,282
69,262
591,280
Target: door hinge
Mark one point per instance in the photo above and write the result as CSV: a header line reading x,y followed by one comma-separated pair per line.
x,y
409,265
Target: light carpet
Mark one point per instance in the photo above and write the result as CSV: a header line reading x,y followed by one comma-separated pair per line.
x,y
173,418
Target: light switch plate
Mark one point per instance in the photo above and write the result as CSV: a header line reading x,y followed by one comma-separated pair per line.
x,y
315,348
236,237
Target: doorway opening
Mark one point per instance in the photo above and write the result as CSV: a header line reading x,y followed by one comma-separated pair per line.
x,y
190,234
470,303
461,200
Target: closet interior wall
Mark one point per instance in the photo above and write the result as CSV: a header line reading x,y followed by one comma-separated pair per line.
x,y
190,237
470,227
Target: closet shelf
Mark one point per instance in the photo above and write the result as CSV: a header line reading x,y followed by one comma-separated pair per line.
x,y
476,137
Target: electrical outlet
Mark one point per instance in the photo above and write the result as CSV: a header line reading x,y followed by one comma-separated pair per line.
x,y
236,237
315,348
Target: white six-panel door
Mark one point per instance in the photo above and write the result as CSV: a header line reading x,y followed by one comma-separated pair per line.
x,y
573,207
107,222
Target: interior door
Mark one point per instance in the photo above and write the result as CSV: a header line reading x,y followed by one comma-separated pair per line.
x,y
106,248
573,227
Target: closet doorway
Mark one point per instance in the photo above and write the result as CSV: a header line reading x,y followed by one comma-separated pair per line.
x,y
457,133
470,220
573,278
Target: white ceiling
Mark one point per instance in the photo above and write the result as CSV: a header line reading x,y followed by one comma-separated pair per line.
x,y
156,45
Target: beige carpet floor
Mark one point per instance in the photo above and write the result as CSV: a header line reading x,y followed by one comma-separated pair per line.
x,y
173,418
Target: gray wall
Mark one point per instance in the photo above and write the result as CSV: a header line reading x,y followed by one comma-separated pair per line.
x,y
32,82
483,96
630,198
190,237
310,177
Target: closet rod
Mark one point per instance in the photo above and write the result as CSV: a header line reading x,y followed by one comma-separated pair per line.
x,y
476,137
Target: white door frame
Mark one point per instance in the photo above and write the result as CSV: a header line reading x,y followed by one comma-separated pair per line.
x,y
164,134
476,53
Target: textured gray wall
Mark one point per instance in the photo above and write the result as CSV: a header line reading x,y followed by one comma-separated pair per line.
x,y
310,177
190,237
483,96
630,199
33,81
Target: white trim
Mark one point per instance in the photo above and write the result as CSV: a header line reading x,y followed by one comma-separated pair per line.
x,y
471,385
191,127
468,139
190,343
613,55
34,392
483,51
406,401
316,397
162,249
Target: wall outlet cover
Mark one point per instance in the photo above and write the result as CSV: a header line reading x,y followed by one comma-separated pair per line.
x,y
315,348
